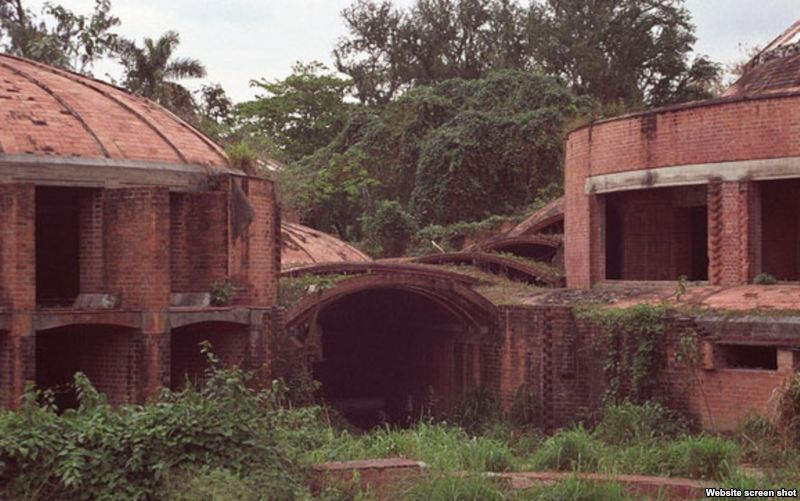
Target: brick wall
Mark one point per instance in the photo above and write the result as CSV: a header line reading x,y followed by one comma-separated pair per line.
x,y
731,130
92,251
17,252
229,342
107,355
546,349
137,238
6,389
729,233
198,240
255,255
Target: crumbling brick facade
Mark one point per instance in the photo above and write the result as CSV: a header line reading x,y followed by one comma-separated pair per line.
x,y
116,220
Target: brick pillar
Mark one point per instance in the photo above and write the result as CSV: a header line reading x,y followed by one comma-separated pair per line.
x,y
729,232
137,238
154,355
91,244
255,254
137,248
18,283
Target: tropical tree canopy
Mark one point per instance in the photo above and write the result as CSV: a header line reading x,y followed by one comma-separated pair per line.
x,y
59,37
152,70
635,52
454,151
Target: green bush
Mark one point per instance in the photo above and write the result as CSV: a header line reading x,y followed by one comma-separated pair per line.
x,y
477,410
570,450
789,410
389,230
628,423
96,452
703,456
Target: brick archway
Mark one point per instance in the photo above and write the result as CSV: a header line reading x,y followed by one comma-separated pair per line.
x,y
383,344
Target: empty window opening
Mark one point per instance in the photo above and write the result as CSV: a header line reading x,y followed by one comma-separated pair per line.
x,y
227,342
780,229
104,353
57,246
747,357
657,234
387,354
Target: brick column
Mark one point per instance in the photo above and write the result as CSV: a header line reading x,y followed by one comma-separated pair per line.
x,y
255,254
137,267
154,355
91,244
729,232
18,283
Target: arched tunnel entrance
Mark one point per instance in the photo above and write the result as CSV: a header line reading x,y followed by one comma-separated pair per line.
x,y
386,350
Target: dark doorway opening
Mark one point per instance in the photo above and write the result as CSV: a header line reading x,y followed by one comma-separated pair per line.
x,y
104,353
657,234
386,354
227,342
780,228
57,246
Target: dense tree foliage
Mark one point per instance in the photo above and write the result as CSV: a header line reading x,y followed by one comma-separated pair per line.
x,y
58,37
630,51
457,150
622,51
299,114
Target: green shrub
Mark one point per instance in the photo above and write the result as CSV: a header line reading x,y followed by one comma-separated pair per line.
x,y
765,279
96,452
477,410
570,450
628,423
389,230
205,484
704,456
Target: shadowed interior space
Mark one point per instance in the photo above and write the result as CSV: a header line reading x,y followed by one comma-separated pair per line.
x,y
780,228
228,343
385,354
57,245
657,234
106,354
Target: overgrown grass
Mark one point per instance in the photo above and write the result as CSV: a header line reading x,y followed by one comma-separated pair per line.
x,y
443,447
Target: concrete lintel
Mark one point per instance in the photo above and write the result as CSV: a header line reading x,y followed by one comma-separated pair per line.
x,y
181,318
694,174
43,320
752,329
104,173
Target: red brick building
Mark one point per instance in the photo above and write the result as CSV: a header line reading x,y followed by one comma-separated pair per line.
x,y
118,219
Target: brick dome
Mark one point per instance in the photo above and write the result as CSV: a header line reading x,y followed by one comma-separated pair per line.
x,y
53,113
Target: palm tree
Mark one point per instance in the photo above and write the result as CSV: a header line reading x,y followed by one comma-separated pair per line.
x,y
151,71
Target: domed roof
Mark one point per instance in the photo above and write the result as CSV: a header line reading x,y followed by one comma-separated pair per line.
x,y
45,111
302,245
775,69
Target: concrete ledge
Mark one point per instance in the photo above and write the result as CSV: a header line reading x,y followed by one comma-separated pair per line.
x,y
687,175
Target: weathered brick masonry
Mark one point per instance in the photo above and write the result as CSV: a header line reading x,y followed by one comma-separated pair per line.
x,y
116,220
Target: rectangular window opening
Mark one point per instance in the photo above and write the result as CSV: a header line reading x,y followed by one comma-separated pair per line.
x,y
747,357
57,246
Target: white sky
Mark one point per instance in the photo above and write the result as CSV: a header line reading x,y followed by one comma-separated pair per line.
x,y
240,40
